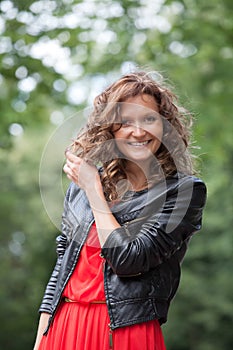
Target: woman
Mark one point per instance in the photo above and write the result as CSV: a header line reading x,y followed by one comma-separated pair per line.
x,y
129,213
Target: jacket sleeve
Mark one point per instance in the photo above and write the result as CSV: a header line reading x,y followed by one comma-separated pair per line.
x,y
137,248
62,242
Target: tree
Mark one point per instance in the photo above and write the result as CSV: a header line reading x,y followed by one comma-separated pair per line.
x,y
55,57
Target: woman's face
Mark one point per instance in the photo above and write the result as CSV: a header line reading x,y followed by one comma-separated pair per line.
x,y
142,129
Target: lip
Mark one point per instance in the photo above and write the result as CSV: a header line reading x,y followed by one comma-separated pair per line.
x,y
139,143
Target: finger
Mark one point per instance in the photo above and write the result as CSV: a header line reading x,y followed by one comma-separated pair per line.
x,y
67,169
71,165
75,166
71,175
72,158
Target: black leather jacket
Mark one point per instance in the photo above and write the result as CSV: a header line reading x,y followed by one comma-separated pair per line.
x,y
143,256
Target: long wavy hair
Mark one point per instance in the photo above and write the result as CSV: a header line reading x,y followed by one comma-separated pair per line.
x,y
95,142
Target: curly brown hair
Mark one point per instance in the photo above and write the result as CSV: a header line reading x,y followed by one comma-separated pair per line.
x,y
95,142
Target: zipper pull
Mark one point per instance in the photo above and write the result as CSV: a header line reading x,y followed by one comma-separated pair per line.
x,y
110,340
126,228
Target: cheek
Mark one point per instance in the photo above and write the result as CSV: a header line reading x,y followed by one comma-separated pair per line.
x,y
160,133
117,133
119,136
157,132
119,144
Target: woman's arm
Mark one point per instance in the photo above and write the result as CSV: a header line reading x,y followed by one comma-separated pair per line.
x,y
87,177
43,322
140,247
104,219
62,243
51,285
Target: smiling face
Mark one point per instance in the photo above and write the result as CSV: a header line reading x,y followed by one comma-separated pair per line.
x,y
140,134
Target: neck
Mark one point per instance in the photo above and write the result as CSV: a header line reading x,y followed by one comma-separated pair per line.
x,y
138,175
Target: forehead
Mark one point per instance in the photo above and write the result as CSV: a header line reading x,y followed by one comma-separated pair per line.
x,y
142,104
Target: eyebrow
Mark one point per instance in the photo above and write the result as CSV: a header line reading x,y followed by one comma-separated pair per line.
x,y
154,113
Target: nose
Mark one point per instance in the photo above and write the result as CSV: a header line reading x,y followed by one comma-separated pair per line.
x,y
137,130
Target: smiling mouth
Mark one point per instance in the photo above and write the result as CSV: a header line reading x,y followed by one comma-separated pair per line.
x,y
139,144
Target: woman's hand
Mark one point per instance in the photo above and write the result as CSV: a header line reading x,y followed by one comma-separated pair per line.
x,y
43,323
86,176
78,170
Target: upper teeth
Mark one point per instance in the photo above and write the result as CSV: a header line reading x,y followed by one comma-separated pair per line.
x,y
138,143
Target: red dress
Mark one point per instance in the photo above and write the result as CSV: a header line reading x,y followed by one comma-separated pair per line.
x,y
83,322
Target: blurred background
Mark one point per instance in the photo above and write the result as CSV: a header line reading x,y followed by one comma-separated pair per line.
x,y
55,56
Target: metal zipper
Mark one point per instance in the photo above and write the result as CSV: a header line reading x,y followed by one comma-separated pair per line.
x,y
110,339
126,224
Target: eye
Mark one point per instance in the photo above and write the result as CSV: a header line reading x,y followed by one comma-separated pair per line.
x,y
126,123
150,119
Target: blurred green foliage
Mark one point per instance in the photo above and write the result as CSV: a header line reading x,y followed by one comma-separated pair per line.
x,y
55,56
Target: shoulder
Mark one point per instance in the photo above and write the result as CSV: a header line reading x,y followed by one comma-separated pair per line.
x,y
190,185
180,179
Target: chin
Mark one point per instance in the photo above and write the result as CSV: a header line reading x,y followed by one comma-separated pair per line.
x,y
137,159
